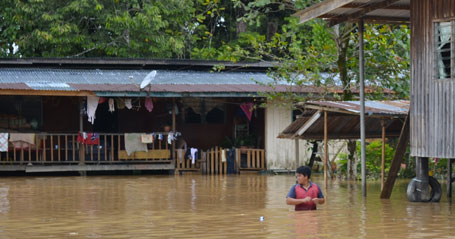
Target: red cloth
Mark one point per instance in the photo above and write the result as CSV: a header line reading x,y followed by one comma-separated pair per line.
x,y
246,107
92,139
101,100
149,104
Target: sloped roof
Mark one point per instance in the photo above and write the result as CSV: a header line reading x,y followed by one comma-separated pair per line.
x,y
115,82
338,11
344,120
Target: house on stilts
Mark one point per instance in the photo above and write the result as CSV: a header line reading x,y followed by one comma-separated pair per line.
x,y
432,112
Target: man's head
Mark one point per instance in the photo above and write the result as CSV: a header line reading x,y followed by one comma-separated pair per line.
x,y
303,174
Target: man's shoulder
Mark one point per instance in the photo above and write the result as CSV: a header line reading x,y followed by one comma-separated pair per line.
x,y
315,185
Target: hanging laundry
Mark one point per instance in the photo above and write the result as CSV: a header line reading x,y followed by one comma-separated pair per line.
x,y
92,139
170,137
133,143
247,109
101,100
81,137
193,155
223,155
160,136
111,105
128,104
20,140
3,142
88,138
147,138
92,104
149,104
120,104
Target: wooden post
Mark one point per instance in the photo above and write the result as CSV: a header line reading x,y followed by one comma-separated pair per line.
x,y
173,128
326,155
297,154
383,154
449,179
362,108
81,129
397,159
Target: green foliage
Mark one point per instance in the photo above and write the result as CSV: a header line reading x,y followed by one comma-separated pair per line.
x,y
373,155
119,28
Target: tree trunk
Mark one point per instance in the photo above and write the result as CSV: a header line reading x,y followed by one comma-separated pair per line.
x,y
272,28
342,41
313,154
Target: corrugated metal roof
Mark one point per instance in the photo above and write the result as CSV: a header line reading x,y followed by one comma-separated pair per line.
x,y
398,107
352,10
61,78
125,80
344,120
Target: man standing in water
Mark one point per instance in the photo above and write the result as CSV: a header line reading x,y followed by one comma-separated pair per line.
x,y
305,194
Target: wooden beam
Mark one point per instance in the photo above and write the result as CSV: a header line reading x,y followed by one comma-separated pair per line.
x,y
353,135
297,154
374,19
320,9
364,10
308,123
392,7
383,154
397,159
326,149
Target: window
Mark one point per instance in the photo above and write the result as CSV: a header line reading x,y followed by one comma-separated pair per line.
x,y
215,116
445,50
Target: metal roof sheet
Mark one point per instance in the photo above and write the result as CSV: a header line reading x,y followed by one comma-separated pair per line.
x,y
126,80
398,107
344,120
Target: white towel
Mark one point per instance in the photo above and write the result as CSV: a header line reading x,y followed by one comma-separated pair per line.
x,y
3,142
128,104
111,105
92,104
193,155
223,155
133,144
147,138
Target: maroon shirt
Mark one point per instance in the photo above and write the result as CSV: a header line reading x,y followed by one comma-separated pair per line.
x,y
298,192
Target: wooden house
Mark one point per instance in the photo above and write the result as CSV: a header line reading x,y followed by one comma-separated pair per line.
x,y
432,110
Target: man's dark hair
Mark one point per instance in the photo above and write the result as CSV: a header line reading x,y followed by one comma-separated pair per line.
x,y
304,170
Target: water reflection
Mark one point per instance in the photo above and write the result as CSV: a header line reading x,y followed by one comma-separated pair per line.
x,y
195,206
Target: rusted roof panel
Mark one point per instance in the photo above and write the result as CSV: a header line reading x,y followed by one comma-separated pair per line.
x,y
399,107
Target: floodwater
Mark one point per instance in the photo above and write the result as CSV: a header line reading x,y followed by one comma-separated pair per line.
x,y
195,206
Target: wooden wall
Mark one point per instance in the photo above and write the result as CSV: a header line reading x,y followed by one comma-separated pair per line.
x,y
432,101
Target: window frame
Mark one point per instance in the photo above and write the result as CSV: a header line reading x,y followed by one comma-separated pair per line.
x,y
436,52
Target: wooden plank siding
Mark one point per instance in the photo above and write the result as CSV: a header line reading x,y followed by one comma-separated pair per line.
x,y
432,100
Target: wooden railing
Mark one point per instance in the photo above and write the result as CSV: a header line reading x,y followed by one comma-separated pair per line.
x,y
211,161
251,159
64,149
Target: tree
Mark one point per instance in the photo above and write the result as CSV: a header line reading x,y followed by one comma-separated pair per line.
x,y
81,28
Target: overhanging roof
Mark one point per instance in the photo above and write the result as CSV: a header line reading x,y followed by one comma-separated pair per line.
x,y
344,120
115,82
338,11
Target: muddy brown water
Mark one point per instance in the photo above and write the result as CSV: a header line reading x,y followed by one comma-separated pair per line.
x,y
195,206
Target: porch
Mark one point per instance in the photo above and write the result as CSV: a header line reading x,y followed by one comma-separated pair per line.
x,y
63,153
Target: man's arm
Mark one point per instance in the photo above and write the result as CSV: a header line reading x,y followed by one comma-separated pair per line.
x,y
294,201
319,200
